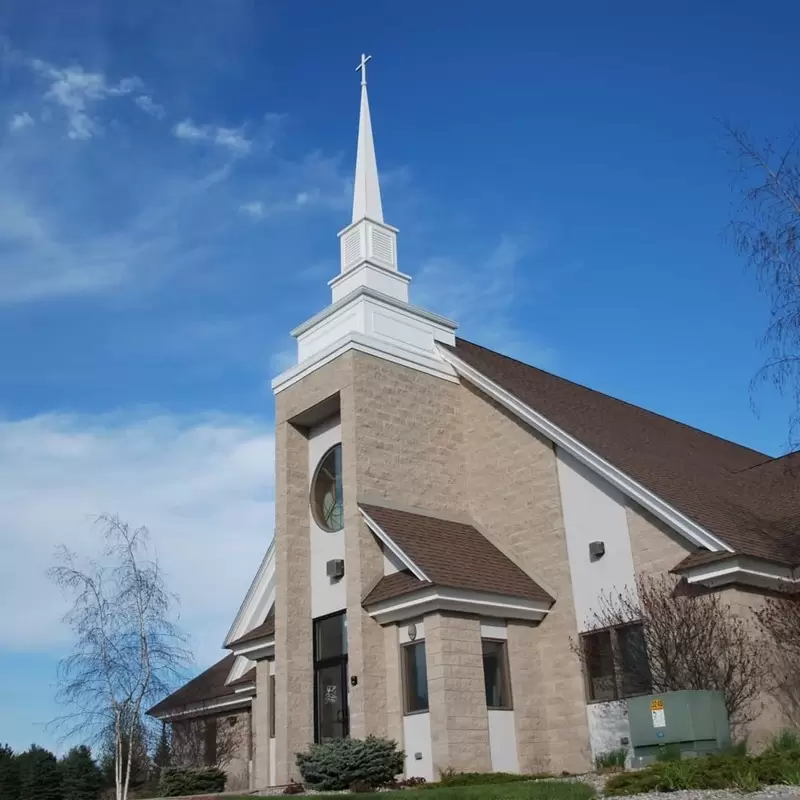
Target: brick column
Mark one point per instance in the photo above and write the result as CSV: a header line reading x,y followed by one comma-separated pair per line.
x,y
363,566
260,727
459,719
294,674
530,720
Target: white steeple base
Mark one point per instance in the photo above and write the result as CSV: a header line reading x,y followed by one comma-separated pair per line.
x,y
369,308
375,323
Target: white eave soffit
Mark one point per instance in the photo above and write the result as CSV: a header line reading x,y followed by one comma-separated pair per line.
x,y
743,570
694,533
436,598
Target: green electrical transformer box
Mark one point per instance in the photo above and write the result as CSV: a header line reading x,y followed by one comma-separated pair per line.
x,y
695,722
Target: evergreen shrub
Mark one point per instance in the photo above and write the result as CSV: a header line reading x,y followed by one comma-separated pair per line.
x,y
335,765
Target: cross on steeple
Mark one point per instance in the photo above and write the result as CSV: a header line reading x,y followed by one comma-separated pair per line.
x,y
363,67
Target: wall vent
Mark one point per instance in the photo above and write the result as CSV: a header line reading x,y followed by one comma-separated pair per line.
x,y
335,568
352,247
382,246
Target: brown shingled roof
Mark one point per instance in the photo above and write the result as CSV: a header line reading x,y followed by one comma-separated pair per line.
x,y
452,554
740,495
266,628
207,686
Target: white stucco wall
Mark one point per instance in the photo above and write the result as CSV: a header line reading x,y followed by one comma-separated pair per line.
x,y
608,725
327,597
593,511
503,741
416,727
391,563
502,730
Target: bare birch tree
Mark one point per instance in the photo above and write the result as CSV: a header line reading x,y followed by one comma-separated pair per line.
x,y
779,617
128,651
766,230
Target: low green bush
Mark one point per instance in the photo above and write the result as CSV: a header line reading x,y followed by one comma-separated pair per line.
x,y
338,764
452,778
176,781
785,742
668,752
745,773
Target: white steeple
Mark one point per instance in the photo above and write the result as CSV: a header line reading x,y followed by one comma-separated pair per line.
x,y
367,194
369,309
368,245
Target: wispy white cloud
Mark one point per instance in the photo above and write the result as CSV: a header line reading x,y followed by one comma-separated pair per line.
x,y
231,138
485,293
20,121
75,90
202,485
149,106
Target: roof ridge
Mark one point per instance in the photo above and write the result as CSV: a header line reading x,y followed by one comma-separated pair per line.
x,y
611,397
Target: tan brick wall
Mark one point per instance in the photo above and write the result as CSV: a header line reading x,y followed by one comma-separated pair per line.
x,y
656,548
233,744
459,719
409,436
772,712
260,724
513,495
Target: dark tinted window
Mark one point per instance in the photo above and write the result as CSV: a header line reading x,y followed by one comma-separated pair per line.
x,y
495,674
331,637
415,677
599,659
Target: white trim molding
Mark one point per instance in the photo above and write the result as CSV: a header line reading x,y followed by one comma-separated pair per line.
x,y
436,598
744,570
667,513
259,599
393,547
371,322
257,649
201,709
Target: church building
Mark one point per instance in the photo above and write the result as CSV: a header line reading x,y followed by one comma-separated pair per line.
x,y
447,519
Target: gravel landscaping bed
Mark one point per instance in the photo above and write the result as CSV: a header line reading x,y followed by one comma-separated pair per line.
x,y
720,794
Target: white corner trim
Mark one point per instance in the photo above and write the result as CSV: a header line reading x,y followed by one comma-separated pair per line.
x,y
258,588
441,598
742,569
398,551
199,709
365,291
257,649
616,477
371,346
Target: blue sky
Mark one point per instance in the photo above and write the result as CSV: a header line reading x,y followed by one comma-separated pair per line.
x,y
172,178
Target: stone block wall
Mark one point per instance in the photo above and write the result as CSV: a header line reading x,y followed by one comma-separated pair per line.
x,y
459,718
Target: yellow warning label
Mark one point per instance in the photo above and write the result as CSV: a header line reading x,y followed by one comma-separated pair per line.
x,y
657,705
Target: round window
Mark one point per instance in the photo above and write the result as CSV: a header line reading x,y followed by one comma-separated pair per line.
x,y
326,491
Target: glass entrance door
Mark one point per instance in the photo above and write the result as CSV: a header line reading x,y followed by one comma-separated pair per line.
x,y
332,702
330,678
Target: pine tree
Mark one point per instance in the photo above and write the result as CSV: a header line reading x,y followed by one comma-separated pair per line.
x,y
81,778
40,778
9,774
163,755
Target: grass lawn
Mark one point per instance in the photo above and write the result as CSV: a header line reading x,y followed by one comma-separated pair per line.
x,y
533,790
